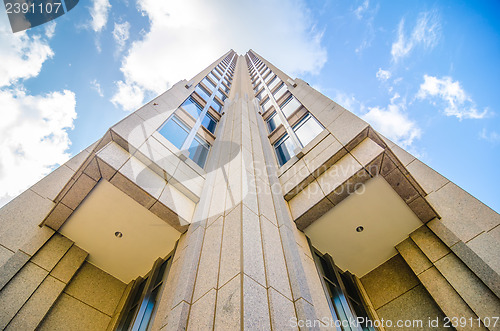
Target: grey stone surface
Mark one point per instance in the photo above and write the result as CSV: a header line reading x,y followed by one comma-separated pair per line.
x,y
35,309
228,309
401,185
50,186
429,243
346,127
446,297
366,151
230,259
422,209
20,218
428,178
96,288
202,314
256,309
12,266
282,311
5,255
389,281
53,250
18,290
70,314
462,214
69,264
477,295
208,268
478,265
415,304
276,271
132,190
253,256
413,256
80,189
92,170
58,216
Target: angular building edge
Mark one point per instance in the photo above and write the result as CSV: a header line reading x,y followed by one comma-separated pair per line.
x,y
452,258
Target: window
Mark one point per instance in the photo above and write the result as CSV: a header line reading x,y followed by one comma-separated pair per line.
x,y
213,77
290,106
280,92
198,151
209,123
307,129
267,105
208,83
344,301
273,122
216,105
284,149
192,107
141,304
175,131
202,92
221,95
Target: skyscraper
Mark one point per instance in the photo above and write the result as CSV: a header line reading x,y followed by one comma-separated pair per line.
x,y
245,199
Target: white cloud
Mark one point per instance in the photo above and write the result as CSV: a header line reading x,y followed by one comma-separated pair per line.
x,y
99,12
33,137
383,75
33,129
358,12
393,122
426,33
129,96
458,103
491,136
50,29
21,56
121,34
97,87
186,36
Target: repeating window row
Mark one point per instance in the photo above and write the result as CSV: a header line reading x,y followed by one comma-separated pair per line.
x,y
282,112
193,124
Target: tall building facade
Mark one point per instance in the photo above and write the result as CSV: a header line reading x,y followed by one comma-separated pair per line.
x,y
245,199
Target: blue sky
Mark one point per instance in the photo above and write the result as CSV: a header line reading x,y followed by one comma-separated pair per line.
x,y
424,73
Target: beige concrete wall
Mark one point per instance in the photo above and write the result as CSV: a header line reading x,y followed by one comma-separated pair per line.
x,y
396,294
87,303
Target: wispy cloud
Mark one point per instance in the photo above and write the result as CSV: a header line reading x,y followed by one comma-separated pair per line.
x,y
456,101
490,136
121,33
425,33
167,54
128,96
361,9
99,13
392,120
383,75
97,87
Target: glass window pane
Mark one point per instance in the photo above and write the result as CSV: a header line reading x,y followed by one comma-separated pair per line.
x,y
202,92
221,95
284,150
209,123
175,131
208,83
198,151
273,122
192,107
212,76
216,105
307,129
279,92
290,105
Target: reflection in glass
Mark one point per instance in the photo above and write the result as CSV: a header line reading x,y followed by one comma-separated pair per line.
x,y
192,107
284,149
175,131
307,129
290,105
209,123
273,122
198,151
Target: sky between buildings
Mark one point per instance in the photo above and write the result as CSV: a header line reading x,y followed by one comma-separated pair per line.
x,y
424,73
